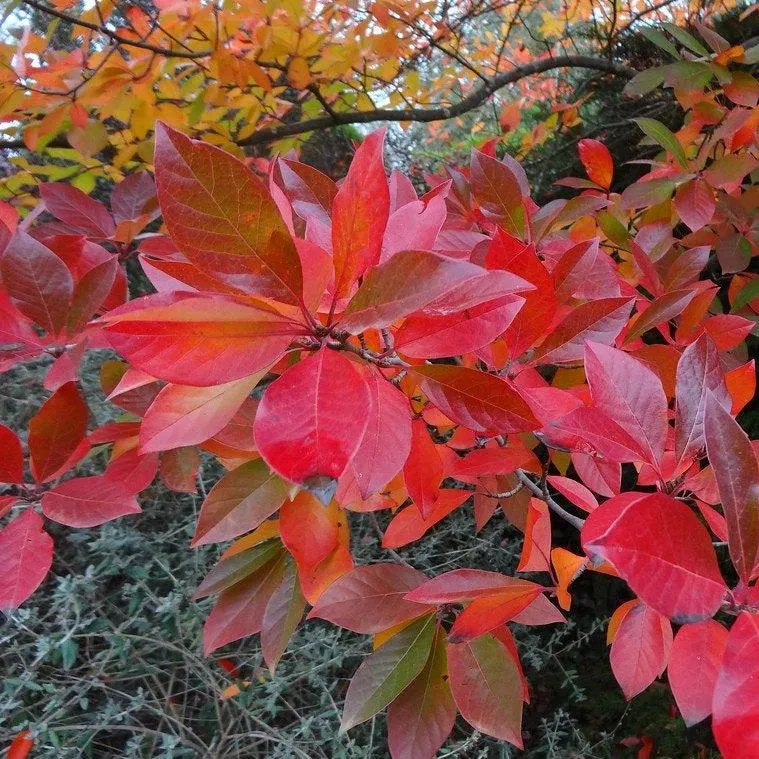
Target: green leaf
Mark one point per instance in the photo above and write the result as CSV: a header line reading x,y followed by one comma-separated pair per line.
x,y
645,81
385,674
421,718
686,39
614,229
236,568
660,40
664,137
747,293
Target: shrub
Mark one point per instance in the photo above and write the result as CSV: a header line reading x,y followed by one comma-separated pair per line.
x,y
355,348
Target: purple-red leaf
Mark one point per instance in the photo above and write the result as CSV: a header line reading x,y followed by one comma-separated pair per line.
x,y
487,687
630,394
421,718
38,282
600,321
371,599
735,468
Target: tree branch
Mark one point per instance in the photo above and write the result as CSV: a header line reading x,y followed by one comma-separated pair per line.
x,y
114,36
543,494
421,115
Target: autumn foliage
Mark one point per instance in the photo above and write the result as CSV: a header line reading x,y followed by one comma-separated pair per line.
x,y
356,347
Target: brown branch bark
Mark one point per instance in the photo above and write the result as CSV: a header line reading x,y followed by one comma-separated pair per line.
x,y
422,115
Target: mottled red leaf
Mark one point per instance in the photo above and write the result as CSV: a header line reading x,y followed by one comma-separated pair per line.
x,y
370,599
223,219
481,402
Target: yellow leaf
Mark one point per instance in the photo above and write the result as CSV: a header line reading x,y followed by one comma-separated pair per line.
x,y
298,74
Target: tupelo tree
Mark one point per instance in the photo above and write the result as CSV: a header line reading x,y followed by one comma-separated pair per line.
x,y
354,347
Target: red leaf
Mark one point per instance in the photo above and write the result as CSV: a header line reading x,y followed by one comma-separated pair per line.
x,y
693,667
223,218
658,312
695,204
20,746
663,552
12,459
536,550
56,432
461,585
640,651
736,697
181,416
371,599
698,373
586,272
38,282
26,555
312,419
74,207
487,687
498,192
360,210
630,394
575,492
408,525
535,317
238,503
88,502
490,612
310,192
423,470
422,716
600,321
89,294
386,443
199,341
439,336
590,430
131,472
479,401
413,279
597,161
737,473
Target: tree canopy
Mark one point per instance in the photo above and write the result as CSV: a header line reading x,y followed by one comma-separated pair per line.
x,y
84,86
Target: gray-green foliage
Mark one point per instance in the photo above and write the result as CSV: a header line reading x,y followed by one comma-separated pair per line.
x,y
105,659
